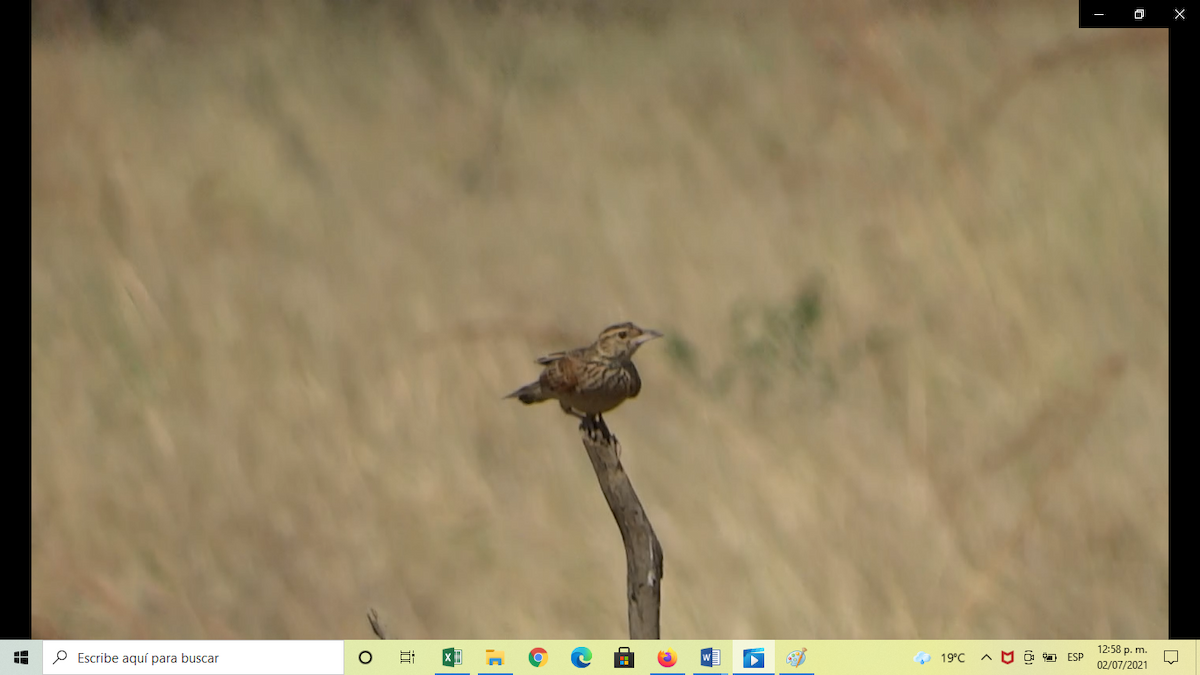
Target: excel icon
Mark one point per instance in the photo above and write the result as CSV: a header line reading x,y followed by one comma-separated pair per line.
x,y
623,658
451,657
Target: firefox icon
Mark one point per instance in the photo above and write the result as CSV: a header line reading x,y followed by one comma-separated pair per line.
x,y
667,658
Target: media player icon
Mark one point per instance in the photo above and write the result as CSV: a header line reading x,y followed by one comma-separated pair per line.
x,y
755,657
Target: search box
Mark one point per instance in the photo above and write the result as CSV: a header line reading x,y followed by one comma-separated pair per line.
x,y
193,657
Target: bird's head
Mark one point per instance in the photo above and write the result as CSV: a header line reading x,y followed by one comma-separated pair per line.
x,y
621,340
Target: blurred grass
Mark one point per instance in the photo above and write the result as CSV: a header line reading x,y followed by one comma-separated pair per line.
x,y
286,257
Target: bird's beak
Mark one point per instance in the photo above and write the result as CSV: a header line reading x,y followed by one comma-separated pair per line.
x,y
646,336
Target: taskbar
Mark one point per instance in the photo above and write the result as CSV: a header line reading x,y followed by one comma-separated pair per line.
x,y
619,657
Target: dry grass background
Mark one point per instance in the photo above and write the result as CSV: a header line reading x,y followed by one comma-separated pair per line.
x,y
286,258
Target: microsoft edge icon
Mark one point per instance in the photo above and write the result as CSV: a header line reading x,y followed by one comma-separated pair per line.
x,y
754,658
581,657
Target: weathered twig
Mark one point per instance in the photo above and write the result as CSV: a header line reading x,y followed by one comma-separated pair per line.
x,y
643,554
376,626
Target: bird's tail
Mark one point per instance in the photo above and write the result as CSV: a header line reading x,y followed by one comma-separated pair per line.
x,y
530,393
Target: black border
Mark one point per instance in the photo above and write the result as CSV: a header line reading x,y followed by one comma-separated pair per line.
x,y
15,626
1182,519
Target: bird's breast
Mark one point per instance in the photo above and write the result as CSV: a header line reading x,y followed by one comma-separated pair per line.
x,y
602,387
634,381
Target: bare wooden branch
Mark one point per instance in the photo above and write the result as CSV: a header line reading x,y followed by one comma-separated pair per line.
x,y
376,625
643,554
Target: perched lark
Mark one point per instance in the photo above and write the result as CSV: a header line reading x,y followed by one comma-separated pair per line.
x,y
591,380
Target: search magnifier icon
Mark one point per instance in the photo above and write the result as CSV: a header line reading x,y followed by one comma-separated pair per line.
x,y
60,656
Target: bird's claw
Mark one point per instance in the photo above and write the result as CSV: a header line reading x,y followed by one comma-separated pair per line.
x,y
597,429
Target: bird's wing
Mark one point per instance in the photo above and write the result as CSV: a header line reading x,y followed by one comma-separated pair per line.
x,y
558,356
550,358
560,376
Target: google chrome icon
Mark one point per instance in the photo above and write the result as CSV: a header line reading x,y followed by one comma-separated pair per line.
x,y
537,657
667,658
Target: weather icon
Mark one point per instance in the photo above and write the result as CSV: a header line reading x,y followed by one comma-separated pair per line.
x,y
922,658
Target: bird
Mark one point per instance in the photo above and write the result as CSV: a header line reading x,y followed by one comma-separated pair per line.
x,y
590,381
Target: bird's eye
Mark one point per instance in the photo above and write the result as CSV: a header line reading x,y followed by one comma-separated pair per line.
x,y
622,334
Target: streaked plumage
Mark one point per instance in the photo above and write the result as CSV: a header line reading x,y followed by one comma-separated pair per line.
x,y
592,380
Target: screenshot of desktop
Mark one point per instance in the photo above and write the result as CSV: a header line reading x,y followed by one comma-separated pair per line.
x,y
485,337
